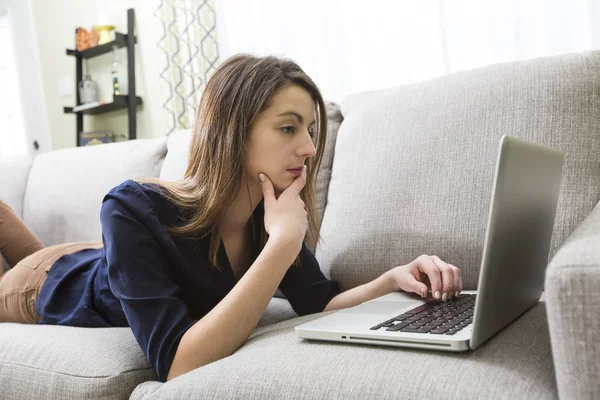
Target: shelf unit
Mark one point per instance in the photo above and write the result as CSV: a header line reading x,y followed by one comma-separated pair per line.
x,y
129,101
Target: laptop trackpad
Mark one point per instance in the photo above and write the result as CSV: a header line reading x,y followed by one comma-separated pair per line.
x,y
381,307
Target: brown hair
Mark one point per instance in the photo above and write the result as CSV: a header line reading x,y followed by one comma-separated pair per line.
x,y
240,89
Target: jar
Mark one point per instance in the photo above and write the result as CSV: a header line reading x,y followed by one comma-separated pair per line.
x,y
88,90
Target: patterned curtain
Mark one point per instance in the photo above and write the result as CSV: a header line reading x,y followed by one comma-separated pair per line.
x,y
189,44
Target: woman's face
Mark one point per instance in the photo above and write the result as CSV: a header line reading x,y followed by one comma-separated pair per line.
x,y
281,137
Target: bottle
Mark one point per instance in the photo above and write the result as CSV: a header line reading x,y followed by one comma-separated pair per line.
x,y
116,67
88,90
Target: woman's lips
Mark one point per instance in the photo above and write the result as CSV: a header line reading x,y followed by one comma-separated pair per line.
x,y
295,172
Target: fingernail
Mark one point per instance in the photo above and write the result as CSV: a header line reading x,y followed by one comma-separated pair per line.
x,y
262,177
423,291
445,297
437,295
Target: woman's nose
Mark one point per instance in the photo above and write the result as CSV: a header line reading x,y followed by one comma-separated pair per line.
x,y
308,148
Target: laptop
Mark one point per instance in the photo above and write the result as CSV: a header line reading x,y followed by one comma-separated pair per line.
x,y
515,256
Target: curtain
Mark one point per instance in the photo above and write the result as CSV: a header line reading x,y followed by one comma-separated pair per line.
x,y
189,55
347,46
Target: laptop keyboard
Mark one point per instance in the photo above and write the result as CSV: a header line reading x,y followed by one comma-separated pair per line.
x,y
435,317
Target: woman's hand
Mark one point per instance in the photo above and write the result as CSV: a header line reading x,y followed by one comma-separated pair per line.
x,y
285,216
428,272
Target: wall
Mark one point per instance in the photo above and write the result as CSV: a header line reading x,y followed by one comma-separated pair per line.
x,y
55,24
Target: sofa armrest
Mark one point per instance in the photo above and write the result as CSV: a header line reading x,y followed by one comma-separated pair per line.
x,y
573,305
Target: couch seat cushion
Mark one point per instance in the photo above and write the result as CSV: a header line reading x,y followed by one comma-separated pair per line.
x,y
58,362
278,310
275,364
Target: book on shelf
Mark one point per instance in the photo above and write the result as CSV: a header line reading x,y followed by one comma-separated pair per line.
x,y
87,106
95,137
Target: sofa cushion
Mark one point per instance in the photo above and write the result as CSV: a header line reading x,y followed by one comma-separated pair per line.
x,y
278,309
176,160
276,364
58,362
66,187
334,120
414,165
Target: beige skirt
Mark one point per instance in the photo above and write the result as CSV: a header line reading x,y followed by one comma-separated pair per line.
x,y
20,286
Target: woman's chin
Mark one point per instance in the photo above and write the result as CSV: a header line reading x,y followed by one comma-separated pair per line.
x,y
279,187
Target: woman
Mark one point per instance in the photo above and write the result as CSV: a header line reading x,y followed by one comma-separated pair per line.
x,y
191,265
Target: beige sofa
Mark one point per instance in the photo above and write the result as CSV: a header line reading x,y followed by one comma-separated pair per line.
x,y
407,170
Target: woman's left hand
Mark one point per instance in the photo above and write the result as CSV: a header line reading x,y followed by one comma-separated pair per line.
x,y
428,272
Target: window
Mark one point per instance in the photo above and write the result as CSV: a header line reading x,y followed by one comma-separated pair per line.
x,y
12,124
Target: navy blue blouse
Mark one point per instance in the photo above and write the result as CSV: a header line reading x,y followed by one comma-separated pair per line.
x,y
156,283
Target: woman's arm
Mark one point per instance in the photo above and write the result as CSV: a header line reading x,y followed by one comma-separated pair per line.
x,y
141,279
415,277
380,286
227,326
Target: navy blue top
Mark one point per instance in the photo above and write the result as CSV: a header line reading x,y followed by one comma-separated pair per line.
x,y
155,283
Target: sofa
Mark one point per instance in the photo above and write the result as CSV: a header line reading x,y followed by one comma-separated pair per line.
x,y
407,171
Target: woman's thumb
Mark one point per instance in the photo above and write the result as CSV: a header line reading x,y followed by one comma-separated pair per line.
x,y
418,287
267,187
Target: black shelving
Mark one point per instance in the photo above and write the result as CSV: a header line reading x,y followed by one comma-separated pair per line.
x,y
129,101
119,102
120,41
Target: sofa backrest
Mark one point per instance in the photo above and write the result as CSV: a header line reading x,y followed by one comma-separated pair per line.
x,y
65,187
413,166
176,159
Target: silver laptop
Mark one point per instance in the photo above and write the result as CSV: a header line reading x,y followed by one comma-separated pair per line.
x,y
514,260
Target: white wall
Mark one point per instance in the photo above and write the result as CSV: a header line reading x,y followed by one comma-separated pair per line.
x,y
55,24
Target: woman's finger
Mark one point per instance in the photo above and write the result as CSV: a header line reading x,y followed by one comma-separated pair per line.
x,y
447,278
457,280
426,265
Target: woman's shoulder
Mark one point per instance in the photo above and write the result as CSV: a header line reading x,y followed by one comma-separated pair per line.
x,y
133,193
134,188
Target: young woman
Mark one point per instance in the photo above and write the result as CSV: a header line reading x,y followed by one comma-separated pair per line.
x,y
190,266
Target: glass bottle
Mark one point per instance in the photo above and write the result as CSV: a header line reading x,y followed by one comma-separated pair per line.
x,y
88,90
116,69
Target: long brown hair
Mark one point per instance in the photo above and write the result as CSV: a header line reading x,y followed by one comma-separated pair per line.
x,y
240,89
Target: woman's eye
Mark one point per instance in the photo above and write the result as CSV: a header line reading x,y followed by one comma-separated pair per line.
x,y
291,129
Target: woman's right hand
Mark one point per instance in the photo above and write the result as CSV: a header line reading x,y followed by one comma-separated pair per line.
x,y
285,217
